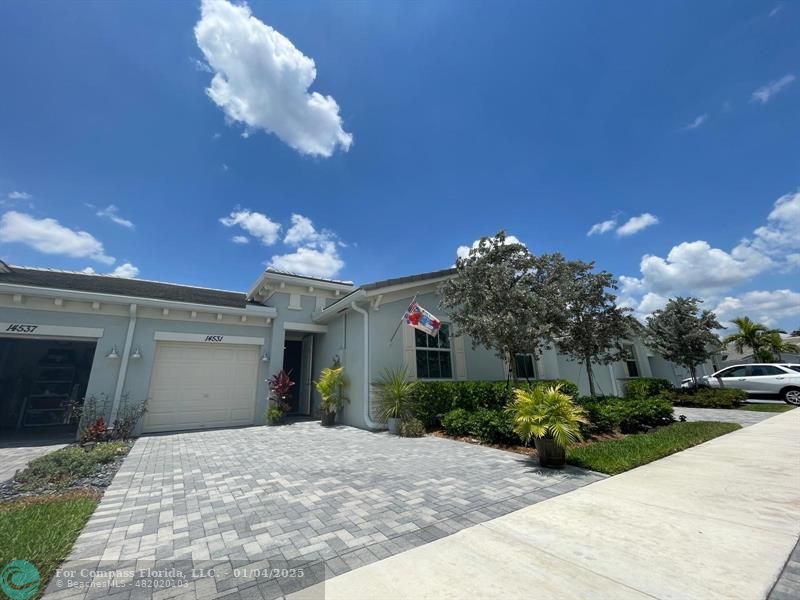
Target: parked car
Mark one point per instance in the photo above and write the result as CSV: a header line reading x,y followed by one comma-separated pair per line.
x,y
762,380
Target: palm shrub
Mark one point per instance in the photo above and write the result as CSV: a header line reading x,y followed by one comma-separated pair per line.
x,y
394,391
330,386
546,413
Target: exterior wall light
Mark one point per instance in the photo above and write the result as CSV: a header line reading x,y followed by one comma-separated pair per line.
x,y
137,353
113,353
265,357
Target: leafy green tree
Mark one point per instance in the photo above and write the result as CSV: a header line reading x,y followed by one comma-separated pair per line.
x,y
506,299
683,334
594,326
749,335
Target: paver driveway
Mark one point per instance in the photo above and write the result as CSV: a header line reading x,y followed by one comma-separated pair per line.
x,y
335,499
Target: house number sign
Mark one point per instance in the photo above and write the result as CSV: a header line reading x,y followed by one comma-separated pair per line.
x,y
37,330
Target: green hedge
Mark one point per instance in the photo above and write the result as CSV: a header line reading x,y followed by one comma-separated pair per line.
x,y
646,387
489,425
432,399
629,415
706,397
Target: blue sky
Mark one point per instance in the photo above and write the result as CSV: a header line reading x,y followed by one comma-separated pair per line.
x,y
369,140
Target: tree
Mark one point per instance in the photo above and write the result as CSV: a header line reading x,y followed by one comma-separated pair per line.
x,y
595,325
505,298
683,334
795,333
774,343
749,335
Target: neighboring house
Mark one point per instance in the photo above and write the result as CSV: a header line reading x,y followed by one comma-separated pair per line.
x,y
202,356
731,357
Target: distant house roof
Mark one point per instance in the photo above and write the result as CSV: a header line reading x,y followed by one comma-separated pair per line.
x,y
105,284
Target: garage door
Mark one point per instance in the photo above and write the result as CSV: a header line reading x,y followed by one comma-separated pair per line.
x,y
196,386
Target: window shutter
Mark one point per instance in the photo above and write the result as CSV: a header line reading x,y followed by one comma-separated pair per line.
x,y
409,351
459,358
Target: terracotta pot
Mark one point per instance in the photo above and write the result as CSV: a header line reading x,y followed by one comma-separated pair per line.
x,y
551,455
328,419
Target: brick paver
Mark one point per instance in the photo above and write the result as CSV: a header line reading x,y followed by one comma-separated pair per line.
x,y
328,500
743,417
16,454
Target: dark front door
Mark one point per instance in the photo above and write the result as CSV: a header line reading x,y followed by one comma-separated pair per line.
x,y
292,360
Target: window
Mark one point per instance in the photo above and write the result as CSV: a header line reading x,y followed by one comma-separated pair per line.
x,y
630,361
734,372
762,370
794,367
525,366
434,360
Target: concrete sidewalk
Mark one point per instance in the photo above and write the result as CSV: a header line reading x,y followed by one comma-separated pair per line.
x,y
715,521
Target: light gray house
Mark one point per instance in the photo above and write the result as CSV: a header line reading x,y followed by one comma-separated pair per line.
x,y
202,356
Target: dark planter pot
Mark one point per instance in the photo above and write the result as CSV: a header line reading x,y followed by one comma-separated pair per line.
x,y
328,419
551,455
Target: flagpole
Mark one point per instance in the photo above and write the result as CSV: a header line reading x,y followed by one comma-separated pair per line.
x,y
400,322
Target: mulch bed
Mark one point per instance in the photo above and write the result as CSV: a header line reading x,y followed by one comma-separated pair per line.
x,y
524,450
93,485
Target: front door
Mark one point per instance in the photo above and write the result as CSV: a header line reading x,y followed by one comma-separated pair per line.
x,y
292,364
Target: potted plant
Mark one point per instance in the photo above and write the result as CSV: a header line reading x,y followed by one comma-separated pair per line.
x,y
549,417
280,384
330,386
394,397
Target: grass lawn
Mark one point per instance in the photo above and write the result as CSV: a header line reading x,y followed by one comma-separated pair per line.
x,y
616,456
42,530
776,408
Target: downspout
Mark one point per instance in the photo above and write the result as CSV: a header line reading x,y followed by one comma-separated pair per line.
x,y
367,418
123,367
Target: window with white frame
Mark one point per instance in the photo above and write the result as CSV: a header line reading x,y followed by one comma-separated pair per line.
x,y
630,360
434,355
526,368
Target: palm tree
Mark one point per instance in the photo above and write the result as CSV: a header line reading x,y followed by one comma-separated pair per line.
x,y
773,342
749,336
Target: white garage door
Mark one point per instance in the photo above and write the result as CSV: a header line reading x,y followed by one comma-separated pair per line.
x,y
196,386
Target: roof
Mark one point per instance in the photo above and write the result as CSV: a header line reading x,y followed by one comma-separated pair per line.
x,y
105,284
309,277
409,279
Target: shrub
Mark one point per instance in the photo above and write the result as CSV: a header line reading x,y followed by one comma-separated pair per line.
x,y
602,412
412,428
457,422
646,387
431,399
494,426
641,414
706,397
108,451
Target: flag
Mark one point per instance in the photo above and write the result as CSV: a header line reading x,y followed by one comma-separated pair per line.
x,y
421,319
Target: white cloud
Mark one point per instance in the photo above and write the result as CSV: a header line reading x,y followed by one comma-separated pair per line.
x,y
50,237
763,94
602,227
262,80
256,224
463,251
637,224
126,271
775,10
20,196
111,212
698,269
314,262
317,252
766,307
240,239
698,121
698,266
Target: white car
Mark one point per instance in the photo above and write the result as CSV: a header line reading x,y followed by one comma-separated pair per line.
x,y
768,380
